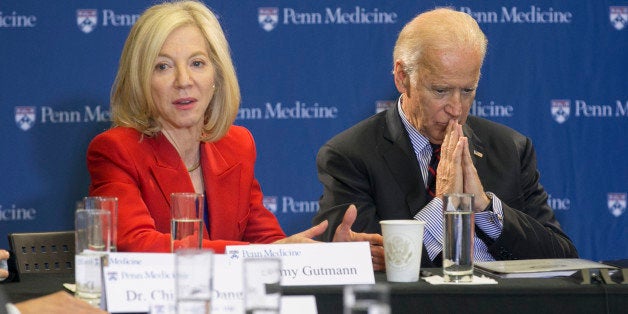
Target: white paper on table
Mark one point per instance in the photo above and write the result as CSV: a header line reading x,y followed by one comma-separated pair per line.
x,y
439,280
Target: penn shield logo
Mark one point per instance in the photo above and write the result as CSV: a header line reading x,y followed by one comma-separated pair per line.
x,y
234,254
112,275
619,16
270,202
560,109
25,117
617,203
86,19
268,18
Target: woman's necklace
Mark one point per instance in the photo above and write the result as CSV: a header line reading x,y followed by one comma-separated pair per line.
x,y
196,165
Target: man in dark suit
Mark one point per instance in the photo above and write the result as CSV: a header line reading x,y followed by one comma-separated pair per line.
x,y
382,164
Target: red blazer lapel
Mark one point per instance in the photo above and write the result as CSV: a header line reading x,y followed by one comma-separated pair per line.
x,y
222,177
223,192
168,170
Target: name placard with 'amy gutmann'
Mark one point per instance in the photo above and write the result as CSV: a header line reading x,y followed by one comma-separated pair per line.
x,y
314,263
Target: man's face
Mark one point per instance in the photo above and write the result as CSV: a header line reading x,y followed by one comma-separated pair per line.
x,y
444,90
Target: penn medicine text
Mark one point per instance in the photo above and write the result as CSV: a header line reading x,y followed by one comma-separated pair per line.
x,y
96,114
336,16
300,110
586,110
14,20
531,15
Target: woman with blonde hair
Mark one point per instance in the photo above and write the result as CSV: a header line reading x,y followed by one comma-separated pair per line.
x,y
173,104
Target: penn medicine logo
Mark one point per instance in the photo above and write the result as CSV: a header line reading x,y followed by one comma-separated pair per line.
x,y
289,205
268,18
619,16
560,110
528,15
270,202
25,117
87,19
617,203
234,254
281,111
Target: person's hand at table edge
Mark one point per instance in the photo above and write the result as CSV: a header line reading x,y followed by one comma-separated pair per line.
x,y
345,234
58,302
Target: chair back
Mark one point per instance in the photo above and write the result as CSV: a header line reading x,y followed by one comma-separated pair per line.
x,y
43,252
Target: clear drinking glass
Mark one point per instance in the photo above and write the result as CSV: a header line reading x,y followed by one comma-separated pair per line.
x,y
193,282
93,232
109,203
458,236
186,221
367,299
262,285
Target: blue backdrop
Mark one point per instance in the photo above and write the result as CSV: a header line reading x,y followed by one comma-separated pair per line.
x,y
555,71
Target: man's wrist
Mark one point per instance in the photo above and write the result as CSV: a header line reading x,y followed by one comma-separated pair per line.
x,y
489,206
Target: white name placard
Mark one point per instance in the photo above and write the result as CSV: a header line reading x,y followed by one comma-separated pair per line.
x,y
135,281
227,295
337,263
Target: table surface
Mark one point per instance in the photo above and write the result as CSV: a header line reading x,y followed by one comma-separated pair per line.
x,y
524,295
515,295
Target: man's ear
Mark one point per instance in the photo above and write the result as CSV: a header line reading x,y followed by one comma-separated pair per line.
x,y
402,79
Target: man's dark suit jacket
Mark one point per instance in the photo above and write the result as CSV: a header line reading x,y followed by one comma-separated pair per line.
x,y
373,166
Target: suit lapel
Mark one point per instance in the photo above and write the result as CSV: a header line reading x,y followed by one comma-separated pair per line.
x,y
222,190
220,177
476,149
169,172
401,160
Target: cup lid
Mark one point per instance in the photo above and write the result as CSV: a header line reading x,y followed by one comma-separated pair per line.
x,y
402,222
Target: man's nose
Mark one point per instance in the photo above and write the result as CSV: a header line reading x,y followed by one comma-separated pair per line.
x,y
454,105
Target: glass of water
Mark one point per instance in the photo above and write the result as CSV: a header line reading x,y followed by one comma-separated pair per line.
x,y
367,299
186,222
92,231
262,285
193,281
109,203
458,236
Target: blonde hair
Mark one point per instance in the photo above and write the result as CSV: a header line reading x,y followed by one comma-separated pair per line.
x,y
436,30
131,99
